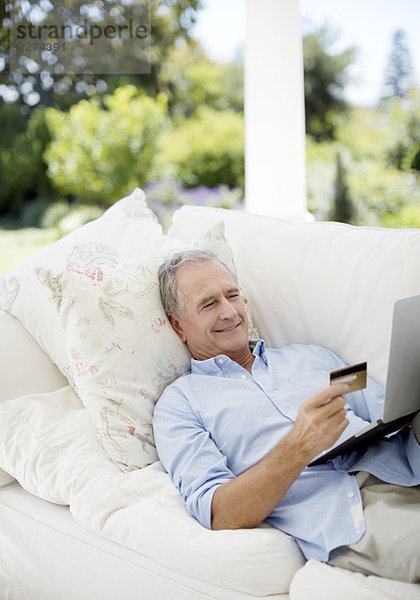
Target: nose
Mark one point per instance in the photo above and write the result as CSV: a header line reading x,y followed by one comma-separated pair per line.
x,y
227,311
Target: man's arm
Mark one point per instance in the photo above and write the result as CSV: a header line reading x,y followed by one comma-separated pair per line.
x,y
248,499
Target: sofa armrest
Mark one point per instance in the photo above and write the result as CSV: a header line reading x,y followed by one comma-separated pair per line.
x,y
24,367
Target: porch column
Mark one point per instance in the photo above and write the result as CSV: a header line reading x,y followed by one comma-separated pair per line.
x,y
274,111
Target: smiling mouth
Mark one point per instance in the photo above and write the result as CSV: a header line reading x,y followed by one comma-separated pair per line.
x,y
228,328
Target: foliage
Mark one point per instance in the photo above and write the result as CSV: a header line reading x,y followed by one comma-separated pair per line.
x,y
22,170
342,205
374,134
325,79
390,133
405,122
100,147
98,153
193,80
172,21
399,70
377,191
320,173
407,216
207,149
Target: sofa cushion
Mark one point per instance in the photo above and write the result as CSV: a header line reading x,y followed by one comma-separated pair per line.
x,y
24,367
318,283
122,350
319,581
48,444
125,230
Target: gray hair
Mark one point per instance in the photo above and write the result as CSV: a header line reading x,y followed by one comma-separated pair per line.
x,y
172,299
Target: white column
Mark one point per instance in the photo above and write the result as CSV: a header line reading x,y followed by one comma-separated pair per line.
x,y
274,111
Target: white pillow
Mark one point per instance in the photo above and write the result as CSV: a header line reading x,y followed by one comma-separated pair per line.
x,y
125,230
122,350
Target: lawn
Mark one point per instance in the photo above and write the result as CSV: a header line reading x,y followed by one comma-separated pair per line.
x,y
19,244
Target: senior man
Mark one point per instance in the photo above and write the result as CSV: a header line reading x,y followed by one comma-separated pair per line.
x,y
237,432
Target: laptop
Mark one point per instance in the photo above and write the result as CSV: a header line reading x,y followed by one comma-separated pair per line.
x,y
402,390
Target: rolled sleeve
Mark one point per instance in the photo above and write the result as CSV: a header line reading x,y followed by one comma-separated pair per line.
x,y
188,453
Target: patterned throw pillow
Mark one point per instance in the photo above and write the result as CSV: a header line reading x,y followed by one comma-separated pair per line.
x,y
125,230
122,350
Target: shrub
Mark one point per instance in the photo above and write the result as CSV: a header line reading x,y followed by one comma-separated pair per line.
x,y
377,190
389,133
98,153
408,216
208,149
22,170
320,174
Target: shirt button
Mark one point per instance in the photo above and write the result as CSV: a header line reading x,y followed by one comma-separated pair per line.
x,y
243,377
350,495
221,361
274,394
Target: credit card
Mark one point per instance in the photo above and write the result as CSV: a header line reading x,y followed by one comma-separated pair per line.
x,y
354,376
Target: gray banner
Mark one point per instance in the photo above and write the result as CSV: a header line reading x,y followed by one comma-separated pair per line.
x,y
104,37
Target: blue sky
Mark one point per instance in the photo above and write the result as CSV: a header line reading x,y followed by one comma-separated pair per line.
x,y
366,24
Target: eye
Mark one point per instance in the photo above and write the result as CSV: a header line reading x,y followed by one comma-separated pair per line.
x,y
208,305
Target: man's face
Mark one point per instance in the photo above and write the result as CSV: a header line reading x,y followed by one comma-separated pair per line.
x,y
216,321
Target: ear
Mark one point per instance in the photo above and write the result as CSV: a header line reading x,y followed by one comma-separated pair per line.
x,y
176,323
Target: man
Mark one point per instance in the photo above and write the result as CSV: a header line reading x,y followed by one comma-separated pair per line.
x,y
237,432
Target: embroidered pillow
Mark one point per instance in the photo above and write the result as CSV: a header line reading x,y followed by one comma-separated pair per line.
x,y
125,230
121,348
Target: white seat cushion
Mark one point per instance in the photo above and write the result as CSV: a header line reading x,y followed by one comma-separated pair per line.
x,y
318,581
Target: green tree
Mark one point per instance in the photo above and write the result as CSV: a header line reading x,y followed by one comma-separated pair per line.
x,y
22,169
171,24
404,123
325,80
98,152
399,70
342,209
192,79
389,134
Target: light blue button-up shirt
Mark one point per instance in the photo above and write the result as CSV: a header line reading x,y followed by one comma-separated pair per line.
x,y
217,421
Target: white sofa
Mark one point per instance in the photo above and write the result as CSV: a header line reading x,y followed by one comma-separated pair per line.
x,y
79,521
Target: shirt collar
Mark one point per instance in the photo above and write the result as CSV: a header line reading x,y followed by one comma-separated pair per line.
x,y
213,366
258,349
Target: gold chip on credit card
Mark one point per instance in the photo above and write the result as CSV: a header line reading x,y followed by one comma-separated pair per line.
x,y
354,376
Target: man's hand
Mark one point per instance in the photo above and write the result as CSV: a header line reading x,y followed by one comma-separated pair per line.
x,y
320,421
251,497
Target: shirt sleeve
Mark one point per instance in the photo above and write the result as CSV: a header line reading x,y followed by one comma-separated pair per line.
x,y
188,453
